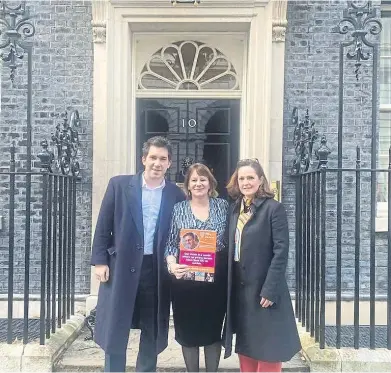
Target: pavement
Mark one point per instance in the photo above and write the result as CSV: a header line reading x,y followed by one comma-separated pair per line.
x,y
33,357
86,356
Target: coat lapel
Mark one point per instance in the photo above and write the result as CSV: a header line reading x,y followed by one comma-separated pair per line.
x,y
257,203
232,229
168,201
134,195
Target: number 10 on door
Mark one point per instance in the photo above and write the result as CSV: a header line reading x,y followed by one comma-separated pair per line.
x,y
190,123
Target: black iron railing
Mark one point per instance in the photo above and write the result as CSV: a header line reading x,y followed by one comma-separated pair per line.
x,y
339,255
41,218
323,250
39,207
52,200
340,258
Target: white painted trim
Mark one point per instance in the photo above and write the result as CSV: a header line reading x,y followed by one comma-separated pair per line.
x,y
124,157
180,14
244,101
129,114
381,221
381,224
129,18
123,26
256,126
133,113
151,93
205,4
277,91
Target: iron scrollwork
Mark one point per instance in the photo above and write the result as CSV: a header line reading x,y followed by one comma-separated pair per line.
x,y
90,324
304,138
186,163
46,157
323,153
15,28
66,140
360,16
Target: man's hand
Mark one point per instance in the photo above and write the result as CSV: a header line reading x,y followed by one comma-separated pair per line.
x,y
102,272
179,270
265,303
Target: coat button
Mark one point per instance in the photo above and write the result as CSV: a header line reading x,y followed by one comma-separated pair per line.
x,y
132,270
139,247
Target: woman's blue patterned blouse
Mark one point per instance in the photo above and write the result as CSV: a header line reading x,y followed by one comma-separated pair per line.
x,y
183,217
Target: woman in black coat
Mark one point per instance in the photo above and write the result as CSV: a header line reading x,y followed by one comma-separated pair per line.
x,y
259,307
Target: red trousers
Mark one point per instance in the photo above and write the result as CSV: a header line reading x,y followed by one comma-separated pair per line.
x,y
247,364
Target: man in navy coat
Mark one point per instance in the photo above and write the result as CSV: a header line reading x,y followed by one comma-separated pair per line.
x,y
128,255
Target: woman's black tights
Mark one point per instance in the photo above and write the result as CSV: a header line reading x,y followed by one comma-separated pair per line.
x,y
212,357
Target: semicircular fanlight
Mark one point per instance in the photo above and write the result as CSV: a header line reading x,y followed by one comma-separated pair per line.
x,y
188,65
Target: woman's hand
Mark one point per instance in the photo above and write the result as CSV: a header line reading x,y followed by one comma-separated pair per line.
x,y
178,270
265,303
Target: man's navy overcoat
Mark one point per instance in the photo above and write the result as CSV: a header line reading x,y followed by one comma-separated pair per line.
x,y
119,243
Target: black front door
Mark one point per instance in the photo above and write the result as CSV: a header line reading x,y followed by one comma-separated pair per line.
x,y
204,131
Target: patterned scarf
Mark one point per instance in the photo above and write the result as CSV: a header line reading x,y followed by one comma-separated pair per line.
x,y
244,217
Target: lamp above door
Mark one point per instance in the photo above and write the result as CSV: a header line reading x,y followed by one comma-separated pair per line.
x,y
194,2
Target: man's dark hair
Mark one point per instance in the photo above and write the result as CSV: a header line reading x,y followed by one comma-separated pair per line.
x,y
159,142
191,234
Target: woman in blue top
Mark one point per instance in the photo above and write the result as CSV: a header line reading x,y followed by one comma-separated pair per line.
x,y
199,307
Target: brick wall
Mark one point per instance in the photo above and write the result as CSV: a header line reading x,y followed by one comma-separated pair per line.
x,y
61,80
311,81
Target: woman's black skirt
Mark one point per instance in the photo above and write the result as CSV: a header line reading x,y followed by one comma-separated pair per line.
x,y
199,307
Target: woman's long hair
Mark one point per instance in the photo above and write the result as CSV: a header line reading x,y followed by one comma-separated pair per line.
x,y
264,190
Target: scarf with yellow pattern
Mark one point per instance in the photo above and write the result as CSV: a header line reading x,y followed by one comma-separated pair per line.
x,y
244,216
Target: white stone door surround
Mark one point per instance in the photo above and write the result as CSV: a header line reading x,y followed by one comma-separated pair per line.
x,y
119,24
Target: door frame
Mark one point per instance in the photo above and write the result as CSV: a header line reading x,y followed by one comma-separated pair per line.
x,y
254,18
232,133
213,39
114,23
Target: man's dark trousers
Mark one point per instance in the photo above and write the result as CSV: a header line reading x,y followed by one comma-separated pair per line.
x,y
146,303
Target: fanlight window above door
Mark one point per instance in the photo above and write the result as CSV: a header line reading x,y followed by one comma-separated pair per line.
x,y
188,65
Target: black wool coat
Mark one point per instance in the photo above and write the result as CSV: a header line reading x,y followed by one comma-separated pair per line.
x,y
268,334
118,242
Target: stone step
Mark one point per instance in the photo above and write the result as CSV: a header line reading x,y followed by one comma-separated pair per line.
x,y
86,356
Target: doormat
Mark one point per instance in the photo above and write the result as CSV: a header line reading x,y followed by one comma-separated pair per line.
x,y
347,336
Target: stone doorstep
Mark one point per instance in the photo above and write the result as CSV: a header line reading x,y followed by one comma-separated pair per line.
x,y
34,357
343,360
86,356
